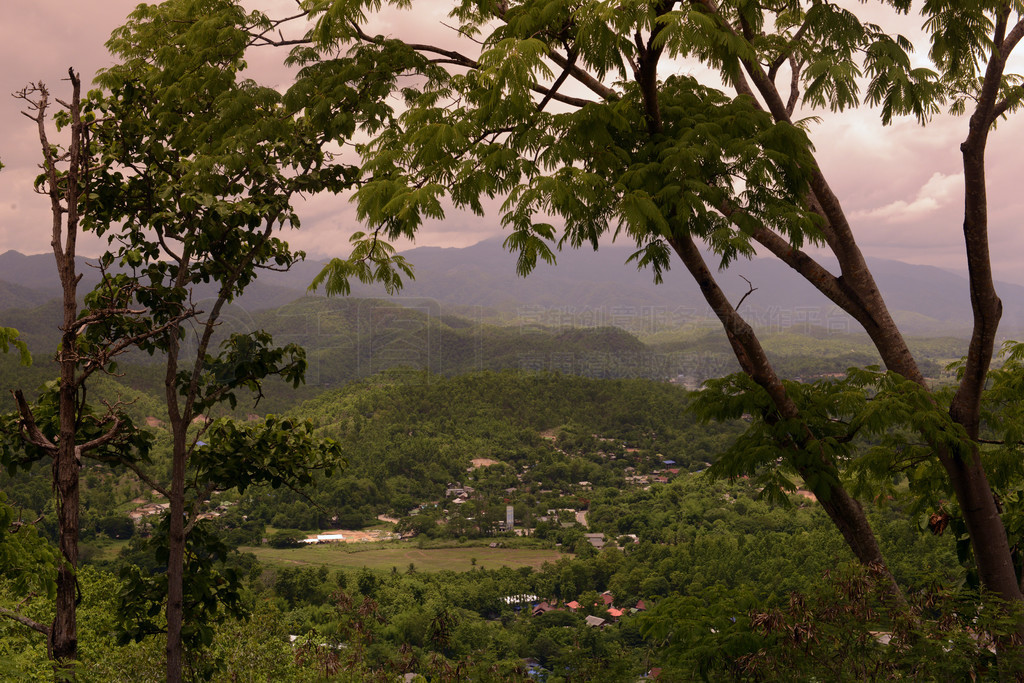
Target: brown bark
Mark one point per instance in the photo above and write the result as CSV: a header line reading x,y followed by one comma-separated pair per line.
x,y
65,194
179,422
856,292
966,473
64,207
176,563
844,511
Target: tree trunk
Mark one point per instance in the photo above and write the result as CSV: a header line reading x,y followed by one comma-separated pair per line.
x,y
176,561
176,536
64,634
844,511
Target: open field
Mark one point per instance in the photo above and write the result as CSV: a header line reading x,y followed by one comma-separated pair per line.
x,y
425,559
105,551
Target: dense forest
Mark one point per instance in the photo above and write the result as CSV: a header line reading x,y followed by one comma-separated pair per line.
x,y
705,560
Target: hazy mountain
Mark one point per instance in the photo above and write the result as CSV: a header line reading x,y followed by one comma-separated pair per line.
x,y
591,289
601,288
27,281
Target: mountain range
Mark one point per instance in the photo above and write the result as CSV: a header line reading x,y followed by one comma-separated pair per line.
x,y
592,289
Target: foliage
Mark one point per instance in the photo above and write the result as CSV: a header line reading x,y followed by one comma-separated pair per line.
x,y
130,444
274,451
196,171
211,593
28,561
666,162
10,337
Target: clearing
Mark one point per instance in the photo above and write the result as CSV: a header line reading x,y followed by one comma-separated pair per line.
x,y
425,559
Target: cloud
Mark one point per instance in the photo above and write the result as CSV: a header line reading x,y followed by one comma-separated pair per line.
x,y
938,192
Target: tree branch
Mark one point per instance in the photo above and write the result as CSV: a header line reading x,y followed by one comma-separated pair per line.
x,y
457,57
794,87
787,52
594,85
99,440
21,619
30,431
193,516
553,90
749,292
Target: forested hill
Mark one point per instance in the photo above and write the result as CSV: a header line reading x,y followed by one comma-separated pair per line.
x,y
407,436
351,338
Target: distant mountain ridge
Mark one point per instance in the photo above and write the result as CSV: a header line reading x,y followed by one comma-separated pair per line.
x,y
593,289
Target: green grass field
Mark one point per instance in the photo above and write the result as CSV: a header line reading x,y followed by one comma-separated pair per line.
x,y
425,559
105,550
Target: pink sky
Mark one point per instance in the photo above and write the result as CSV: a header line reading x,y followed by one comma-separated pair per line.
x,y
900,185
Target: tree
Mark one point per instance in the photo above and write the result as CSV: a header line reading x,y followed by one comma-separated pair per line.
x,y
61,426
196,173
568,110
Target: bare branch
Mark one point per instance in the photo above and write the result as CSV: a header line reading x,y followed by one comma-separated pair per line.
x,y
17,525
103,357
464,33
558,82
550,94
749,292
794,86
457,57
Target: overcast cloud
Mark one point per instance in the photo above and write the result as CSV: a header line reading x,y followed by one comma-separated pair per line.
x,y
901,185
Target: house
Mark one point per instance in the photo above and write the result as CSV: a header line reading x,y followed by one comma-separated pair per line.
x,y
607,599
614,613
324,538
573,606
544,607
640,606
595,621
596,540
148,510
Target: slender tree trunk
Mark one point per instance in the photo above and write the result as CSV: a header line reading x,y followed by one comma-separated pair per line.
x,y
64,634
176,537
844,511
857,293
176,561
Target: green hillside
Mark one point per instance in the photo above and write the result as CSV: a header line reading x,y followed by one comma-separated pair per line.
x,y
408,436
